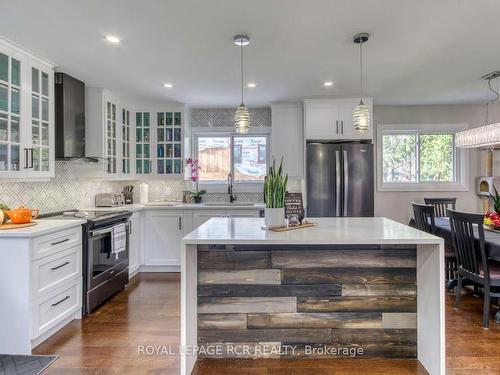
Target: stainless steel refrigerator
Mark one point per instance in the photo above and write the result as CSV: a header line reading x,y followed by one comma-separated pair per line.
x,y
339,179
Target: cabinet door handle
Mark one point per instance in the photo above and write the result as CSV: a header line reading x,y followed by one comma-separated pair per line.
x,y
26,158
59,266
59,242
337,126
31,157
129,227
180,222
342,126
61,301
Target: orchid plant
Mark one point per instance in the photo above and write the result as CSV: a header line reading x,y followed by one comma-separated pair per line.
x,y
195,177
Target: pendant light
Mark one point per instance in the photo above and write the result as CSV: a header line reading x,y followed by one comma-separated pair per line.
x,y
361,114
241,117
488,135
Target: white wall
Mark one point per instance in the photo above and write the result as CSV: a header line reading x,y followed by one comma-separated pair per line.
x,y
396,205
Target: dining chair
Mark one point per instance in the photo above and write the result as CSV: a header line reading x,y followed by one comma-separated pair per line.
x,y
424,217
472,261
425,221
441,205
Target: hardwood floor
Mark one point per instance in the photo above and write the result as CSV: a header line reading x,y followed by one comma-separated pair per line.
x,y
148,313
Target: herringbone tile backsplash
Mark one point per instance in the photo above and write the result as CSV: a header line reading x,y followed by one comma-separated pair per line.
x,y
68,190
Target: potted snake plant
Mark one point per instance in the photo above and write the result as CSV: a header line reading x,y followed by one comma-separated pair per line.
x,y
274,195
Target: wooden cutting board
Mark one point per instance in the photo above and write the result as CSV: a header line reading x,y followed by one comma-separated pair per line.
x,y
16,226
286,229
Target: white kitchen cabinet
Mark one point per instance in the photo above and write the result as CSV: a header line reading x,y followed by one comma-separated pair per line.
x,y
331,119
169,153
202,216
163,232
26,115
103,134
44,293
287,139
243,213
136,242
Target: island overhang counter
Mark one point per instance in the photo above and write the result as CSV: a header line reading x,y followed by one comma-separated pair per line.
x,y
366,284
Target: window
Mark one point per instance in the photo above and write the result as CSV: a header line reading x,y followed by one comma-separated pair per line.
x,y
420,157
245,157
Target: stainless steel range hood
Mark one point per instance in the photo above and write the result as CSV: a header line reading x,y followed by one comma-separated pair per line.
x,y
70,120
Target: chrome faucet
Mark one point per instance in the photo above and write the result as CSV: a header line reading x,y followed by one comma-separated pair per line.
x,y
232,197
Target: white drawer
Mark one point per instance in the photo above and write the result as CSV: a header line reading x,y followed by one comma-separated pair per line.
x,y
54,242
57,306
50,272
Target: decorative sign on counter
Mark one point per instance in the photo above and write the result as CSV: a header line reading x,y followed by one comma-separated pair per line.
x,y
294,205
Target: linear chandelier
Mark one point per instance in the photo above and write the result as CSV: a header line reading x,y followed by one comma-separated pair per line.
x,y
486,136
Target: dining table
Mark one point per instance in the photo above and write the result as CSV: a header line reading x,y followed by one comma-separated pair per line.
x,y
491,237
491,243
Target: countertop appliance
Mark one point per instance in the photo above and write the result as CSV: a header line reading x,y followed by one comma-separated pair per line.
x,y
109,200
340,179
106,244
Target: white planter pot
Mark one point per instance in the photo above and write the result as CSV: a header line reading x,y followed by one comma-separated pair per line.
x,y
274,216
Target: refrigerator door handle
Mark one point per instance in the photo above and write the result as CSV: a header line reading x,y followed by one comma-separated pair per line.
x,y
346,182
337,181
337,126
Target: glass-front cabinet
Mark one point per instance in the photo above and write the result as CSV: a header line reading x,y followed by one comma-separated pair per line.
x,y
142,143
126,141
108,128
111,136
26,115
168,143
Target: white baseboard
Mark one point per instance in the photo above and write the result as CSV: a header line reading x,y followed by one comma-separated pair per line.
x,y
133,271
144,268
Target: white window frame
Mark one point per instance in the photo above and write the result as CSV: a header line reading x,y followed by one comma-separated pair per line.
x,y
461,159
240,186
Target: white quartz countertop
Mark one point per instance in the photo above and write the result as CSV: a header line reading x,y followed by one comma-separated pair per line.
x,y
160,205
44,226
373,230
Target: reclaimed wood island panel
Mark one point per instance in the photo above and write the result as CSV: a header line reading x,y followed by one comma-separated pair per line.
x,y
338,289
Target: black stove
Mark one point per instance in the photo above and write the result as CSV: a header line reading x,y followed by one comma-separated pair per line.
x,y
94,217
106,244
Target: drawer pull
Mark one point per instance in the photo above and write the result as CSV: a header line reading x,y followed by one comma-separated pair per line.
x,y
59,242
59,266
61,301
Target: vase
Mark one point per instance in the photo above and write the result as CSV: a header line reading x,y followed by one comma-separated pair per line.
x,y
274,217
197,199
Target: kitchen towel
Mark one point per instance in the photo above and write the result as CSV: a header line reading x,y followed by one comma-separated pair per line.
x,y
119,239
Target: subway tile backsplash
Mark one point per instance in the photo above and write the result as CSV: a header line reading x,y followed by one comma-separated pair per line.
x,y
68,190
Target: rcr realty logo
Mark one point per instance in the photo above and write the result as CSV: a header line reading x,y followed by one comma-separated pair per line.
x,y
262,350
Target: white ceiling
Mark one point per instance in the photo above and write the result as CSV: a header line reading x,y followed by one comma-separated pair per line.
x,y
420,52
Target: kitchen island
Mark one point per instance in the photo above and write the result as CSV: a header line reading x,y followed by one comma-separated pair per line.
x,y
348,287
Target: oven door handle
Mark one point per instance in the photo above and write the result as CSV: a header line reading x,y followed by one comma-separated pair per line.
x,y
101,231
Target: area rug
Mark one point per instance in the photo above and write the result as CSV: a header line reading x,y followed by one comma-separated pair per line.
x,y
25,364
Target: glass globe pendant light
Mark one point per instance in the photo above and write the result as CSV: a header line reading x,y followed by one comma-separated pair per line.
x,y
361,114
241,117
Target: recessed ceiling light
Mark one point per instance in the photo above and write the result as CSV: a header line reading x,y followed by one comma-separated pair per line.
x,y
328,83
252,85
168,85
113,39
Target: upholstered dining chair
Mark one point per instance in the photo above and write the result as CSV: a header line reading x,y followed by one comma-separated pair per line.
x,y
441,205
472,261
